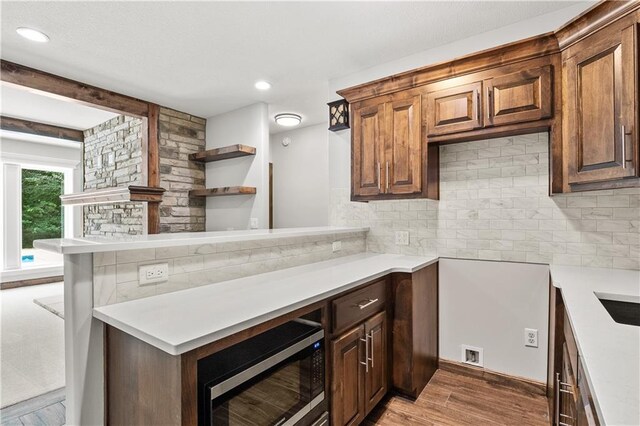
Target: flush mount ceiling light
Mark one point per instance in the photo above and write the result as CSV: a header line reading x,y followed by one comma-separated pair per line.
x,y
288,119
33,35
263,85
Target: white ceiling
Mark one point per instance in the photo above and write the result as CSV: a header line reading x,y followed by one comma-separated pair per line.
x,y
20,103
204,57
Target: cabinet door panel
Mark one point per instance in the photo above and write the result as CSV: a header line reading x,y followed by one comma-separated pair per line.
x,y
519,97
403,148
600,102
367,148
377,378
454,109
347,400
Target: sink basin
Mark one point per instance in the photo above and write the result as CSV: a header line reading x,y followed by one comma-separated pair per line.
x,y
623,309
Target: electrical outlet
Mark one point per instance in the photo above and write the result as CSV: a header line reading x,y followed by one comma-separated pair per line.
x,y
531,337
254,223
156,273
402,238
336,246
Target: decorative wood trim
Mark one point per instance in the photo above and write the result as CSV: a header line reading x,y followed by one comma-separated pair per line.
x,y
41,129
519,383
232,151
132,193
224,191
530,48
59,87
35,281
56,86
592,20
153,166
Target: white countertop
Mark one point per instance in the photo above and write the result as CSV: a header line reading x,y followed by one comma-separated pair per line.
x,y
129,242
610,352
181,321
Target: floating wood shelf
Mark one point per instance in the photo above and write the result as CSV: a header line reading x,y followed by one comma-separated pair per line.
x,y
231,151
219,192
132,193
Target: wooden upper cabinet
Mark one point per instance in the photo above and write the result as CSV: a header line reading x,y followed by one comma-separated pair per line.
x,y
388,160
519,97
367,149
403,147
600,112
454,108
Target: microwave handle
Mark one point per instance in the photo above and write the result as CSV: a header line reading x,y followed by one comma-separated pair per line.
x,y
223,387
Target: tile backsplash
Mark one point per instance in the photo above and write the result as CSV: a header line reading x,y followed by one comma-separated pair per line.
x,y
494,205
115,274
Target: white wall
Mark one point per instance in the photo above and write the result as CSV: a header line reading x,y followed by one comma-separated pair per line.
x,y
339,143
488,305
300,177
248,126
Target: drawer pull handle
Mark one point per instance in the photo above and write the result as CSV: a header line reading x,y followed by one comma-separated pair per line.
x,y
367,303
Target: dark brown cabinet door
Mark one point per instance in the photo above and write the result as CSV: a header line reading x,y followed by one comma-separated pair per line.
x,y
376,374
454,109
568,412
367,149
347,386
403,147
519,97
600,82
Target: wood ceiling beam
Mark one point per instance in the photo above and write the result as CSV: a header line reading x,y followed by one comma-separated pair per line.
x,y
69,90
41,129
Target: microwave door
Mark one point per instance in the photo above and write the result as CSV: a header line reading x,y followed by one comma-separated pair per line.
x,y
270,398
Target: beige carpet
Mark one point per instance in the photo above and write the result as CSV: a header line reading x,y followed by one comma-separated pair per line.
x,y
31,344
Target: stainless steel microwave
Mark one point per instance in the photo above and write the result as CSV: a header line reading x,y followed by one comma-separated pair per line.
x,y
276,378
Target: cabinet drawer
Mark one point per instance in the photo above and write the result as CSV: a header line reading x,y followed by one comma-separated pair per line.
x,y
572,348
354,307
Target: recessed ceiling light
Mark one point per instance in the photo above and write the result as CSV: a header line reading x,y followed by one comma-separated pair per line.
x,y
263,85
33,35
288,119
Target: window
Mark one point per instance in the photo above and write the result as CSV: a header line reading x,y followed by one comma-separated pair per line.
x,y
42,214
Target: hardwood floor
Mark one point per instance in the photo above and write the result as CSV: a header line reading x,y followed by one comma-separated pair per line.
x,y
43,410
450,399
456,399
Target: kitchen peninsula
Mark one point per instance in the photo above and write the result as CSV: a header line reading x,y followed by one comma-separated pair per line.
x,y
178,325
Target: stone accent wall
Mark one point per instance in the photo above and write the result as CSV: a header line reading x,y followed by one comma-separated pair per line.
x,y
494,206
112,153
180,135
115,274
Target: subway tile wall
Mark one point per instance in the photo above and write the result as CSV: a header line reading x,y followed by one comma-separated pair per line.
x,y
494,206
115,274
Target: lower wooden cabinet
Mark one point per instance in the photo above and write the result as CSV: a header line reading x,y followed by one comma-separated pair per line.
x,y
570,398
347,386
376,378
359,372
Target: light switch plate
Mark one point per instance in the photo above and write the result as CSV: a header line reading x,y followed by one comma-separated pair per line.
x,y
150,274
254,223
402,238
336,246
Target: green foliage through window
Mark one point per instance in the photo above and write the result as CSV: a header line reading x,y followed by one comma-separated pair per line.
x,y
41,208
